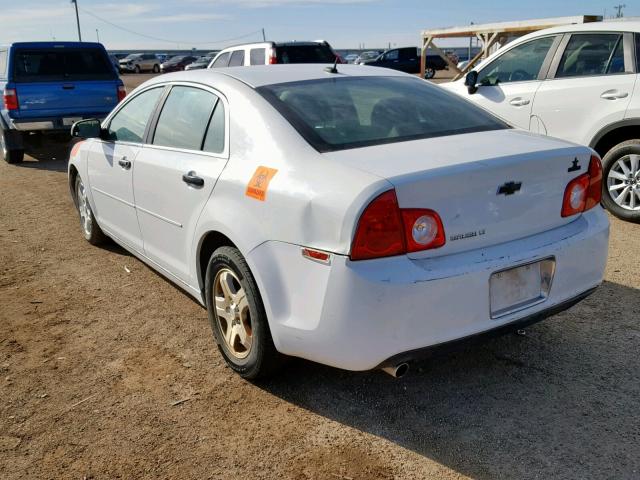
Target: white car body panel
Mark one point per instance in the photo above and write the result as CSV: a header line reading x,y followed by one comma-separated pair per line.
x,y
352,315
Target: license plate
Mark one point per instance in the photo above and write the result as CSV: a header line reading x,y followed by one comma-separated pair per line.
x,y
68,121
520,287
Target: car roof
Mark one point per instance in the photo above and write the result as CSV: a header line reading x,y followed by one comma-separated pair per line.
x,y
56,44
609,26
260,75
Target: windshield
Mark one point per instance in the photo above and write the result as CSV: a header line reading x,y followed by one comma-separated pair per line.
x,y
305,54
133,56
350,112
175,60
46,65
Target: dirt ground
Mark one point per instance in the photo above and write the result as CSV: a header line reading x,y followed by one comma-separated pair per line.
x,y
108,371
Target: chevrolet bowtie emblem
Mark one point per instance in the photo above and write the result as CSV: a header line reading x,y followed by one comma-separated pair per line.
x,y
509,188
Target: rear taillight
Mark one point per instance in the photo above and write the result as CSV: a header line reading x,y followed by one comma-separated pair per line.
x,y
584,192
122,92
273,59
384,229
10,99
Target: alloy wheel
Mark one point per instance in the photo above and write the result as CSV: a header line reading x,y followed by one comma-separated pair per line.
x,y
232,313
83,208
623,182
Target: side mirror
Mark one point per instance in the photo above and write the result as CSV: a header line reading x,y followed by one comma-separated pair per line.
x,y
90,128
471,81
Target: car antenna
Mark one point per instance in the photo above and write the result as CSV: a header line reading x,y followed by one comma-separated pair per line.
x,y
332,69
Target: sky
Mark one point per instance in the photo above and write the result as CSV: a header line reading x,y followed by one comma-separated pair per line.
x,y
213,24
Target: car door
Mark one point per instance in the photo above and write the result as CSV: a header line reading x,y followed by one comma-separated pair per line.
x,y
508,84
591,83
176,172
390,59
409,60
111,163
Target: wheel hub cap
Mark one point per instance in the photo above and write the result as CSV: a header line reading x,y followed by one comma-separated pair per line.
x,y
232,313
623,182
83,209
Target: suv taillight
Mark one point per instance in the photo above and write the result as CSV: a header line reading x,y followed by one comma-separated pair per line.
x,y
10,99
122,92
273,60
584,192
384,229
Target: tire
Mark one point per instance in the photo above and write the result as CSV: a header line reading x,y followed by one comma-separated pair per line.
x,y
626,208
429,72
14,155
156,68
242,330
90,228
137,69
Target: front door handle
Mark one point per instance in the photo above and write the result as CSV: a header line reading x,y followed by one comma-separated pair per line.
x,y
613,95
519,102
124,163
190,178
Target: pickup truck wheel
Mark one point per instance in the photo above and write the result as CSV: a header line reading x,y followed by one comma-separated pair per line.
x,y
90,229
621,180
238,317
13,155
429,72
156,68
137,69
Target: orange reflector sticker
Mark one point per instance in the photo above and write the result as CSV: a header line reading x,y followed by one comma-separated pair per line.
x,y
257,187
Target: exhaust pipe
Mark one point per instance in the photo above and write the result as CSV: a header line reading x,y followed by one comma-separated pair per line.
x,y
397,371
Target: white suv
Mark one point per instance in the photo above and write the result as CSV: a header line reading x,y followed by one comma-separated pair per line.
x,y
578,83
271,53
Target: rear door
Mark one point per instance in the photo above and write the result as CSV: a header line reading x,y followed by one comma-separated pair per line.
x,y
175,174
590,86
508,84
63,81
111,164
409,60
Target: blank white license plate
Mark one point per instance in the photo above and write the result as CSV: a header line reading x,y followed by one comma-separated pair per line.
x,y
520,287
68,121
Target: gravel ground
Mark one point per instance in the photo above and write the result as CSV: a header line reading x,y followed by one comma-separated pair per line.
x,y
109,371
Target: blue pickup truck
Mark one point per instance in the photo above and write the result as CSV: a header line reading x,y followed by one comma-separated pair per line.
x,y
47,86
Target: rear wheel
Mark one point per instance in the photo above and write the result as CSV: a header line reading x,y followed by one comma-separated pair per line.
x,y
137,69
10,155
429,72
90,229
621,180
156,68
237,316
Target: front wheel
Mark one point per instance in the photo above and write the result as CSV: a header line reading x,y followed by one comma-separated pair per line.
x,y
621,180
156,68
90,229
137,69
237,316
429,72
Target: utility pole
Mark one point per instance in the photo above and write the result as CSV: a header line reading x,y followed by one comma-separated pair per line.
x,y
264,38
619,7
98,35
75,3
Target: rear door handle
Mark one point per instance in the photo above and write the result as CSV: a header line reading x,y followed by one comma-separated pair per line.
x,y
519,102
124,163
613,95
190,178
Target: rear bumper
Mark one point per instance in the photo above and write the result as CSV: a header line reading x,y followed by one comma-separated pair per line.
x,y
51,123
359,315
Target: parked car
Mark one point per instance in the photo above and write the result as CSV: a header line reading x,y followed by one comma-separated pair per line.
x,y
407,59
140,62
177,63
115,62
576,82
353,219
270,53
47,86
367,56
351,58
199,63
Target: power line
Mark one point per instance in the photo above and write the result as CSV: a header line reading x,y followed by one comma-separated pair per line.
x,y
133,32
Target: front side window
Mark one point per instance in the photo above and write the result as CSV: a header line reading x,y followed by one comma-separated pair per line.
x,y
257,56
129,124
391,55
237,59
184,118
592,54
519,64
222,60
350,112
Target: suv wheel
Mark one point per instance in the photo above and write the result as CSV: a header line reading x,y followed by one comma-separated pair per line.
x,y
90,229
156,68
429,72
621,180
237,316
137,69
13,155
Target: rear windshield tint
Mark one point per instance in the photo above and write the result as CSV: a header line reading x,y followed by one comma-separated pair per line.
x,y
351,112
45,65
304,54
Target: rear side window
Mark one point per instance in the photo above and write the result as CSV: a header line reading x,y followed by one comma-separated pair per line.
x,y
64,64
237,58
257,56
592,54
637,35
304,54
3,63
222,60
184,118
129,124
350,112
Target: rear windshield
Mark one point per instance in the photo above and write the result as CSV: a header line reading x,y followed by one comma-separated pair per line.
x,y
46,65
304,54
351,112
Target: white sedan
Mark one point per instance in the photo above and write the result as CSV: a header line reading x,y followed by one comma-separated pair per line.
x,y
355,218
